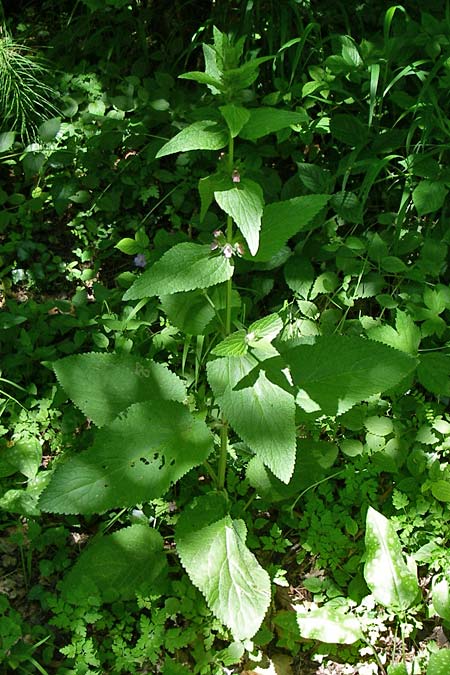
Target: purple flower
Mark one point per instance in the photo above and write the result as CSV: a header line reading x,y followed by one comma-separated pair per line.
x,y
227,250
140,260
236,176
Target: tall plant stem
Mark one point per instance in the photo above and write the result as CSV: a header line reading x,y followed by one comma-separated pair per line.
x,y
222,468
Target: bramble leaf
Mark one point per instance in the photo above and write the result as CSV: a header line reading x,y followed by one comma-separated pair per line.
x,y
184,267
117,566
203,135
134,459
103,385
214,554
392,583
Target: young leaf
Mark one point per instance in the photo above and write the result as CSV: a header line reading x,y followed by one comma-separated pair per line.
x,y
233,345
267,120
117,566
214,554
329,623
235,116
262,414
389,578
184,267
339,371
245,205
266,328
103,385
134,459
203,78
203,135
281,220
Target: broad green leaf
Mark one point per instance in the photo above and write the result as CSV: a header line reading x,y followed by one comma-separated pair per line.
x,y
235,116
242,77
266,328
25,501
433,373
208,186
392,583
329,623
263,414
439,663
440,595
313,460
214,554
429,196
233,345
184,267
204,135
379,426
245,205
198,312
339,371
24,455
265,121
397,669
103,385
117,566
134,459
348,129
281,220
49,129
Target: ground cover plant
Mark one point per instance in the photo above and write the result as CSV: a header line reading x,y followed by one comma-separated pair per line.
x,y
225,369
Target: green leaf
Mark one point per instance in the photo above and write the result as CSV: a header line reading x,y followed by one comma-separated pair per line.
x,y
117,566
242,77
198,313
103,385
440,594
134,459
266,328
208,186
329,623
433,373
265,120
128,246
429,196
202,78
49,129
24,455
440,490
313,460
233,345
235,116
245,205
439,663
349,130
184,267
262,414
203,135
7,140
281,220
339,371
214,554
393,584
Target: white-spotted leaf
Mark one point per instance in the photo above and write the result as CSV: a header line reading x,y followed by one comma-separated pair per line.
x,y
329,623
391,581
